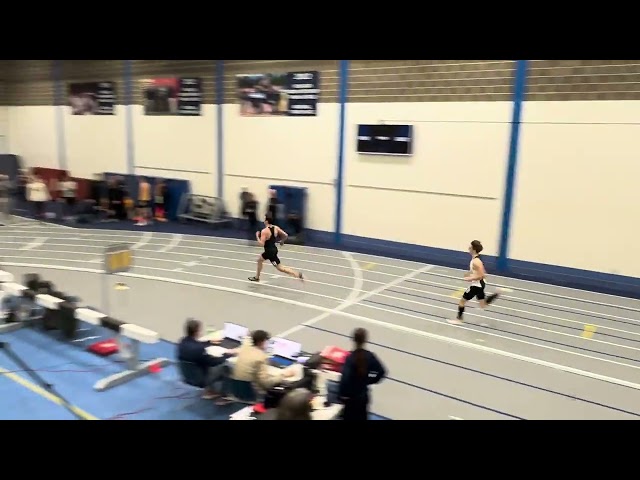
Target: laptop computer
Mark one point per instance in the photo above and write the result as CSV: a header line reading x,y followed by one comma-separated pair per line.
x,y
283,352
233,335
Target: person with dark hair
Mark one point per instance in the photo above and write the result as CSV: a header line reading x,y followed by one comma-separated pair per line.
x,y
249,211
252,364
361,369
476,277
268,238
295,405
192,350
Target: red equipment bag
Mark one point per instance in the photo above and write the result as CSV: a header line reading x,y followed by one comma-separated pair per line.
x,y
333,358
104,348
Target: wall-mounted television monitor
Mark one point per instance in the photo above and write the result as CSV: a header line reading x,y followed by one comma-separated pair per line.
x,y
385,139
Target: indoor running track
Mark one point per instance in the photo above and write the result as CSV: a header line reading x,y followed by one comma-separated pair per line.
x,y
539,352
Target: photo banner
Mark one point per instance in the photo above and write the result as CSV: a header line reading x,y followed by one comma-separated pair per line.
x,y
92,98
173,96
273,94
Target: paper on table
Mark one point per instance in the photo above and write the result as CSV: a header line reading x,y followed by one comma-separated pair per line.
x,y
216,351
298,372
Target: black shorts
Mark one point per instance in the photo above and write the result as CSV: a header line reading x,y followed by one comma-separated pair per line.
x,y
71,201
271,257
475,291
143,204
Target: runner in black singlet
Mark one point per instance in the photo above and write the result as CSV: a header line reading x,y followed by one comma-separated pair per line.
x,y
268,238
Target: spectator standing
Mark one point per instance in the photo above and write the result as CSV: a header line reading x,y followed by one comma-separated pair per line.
x,y
361,369
68,191
38,195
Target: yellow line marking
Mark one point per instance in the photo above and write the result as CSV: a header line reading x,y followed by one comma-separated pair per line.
x,y
43,393
369,266
589,331
458,293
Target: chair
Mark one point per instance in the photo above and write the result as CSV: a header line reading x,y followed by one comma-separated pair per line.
x,y
241,391
191,374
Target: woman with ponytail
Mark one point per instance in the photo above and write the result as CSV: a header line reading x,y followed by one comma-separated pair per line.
x,y
361,369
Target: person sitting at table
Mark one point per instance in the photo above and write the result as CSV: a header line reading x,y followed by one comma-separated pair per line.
x,y
192,350
295,405
252,364
361,369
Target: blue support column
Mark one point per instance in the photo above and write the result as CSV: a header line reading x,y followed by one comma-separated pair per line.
x,y
342,100
59,103
220,126
127,103
518,98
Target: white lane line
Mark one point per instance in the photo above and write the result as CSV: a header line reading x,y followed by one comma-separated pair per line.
x,y
496,307
395,298
358,280
175,241
554,295
146,236
427,282
304,253
390,326
308,251
451,417
35,243
346,304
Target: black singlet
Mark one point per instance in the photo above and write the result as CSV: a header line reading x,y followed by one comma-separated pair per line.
x,y
270,244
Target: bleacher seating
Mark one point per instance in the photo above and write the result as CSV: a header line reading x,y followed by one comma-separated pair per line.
x,y
199,208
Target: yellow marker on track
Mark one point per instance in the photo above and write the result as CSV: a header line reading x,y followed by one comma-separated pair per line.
x,y
367,265
458,293
589,331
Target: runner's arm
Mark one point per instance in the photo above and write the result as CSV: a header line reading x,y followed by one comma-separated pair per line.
x,y
261,237
282,235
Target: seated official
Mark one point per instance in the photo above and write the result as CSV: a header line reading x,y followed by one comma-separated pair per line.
x,y
361,369
192,350
252,364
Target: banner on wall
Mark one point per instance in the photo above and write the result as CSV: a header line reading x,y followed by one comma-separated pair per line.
x,y
92,98
172,96
270,94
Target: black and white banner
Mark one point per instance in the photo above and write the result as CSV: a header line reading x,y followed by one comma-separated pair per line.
x,y
92,98
274,94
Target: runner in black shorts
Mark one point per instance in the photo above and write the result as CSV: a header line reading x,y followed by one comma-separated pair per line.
x,y
268,238
476,276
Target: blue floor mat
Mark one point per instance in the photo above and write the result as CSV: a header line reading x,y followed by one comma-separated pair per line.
x,y
73,371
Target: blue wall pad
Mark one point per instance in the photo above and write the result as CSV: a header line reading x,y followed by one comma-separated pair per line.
x,y
536,272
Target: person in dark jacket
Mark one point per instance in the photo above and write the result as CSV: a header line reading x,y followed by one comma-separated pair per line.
x,y
250,209
192,350
361,369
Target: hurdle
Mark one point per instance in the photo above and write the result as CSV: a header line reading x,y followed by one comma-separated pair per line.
x,y
129,341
